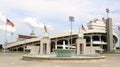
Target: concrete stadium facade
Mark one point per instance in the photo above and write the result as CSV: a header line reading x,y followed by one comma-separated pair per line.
x,y
95,36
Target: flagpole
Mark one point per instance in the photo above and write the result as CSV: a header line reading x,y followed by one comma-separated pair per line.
x,y
11,36
8,22
5,41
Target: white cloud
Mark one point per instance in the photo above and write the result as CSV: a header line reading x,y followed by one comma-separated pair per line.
x,y
56,12
8,28
53,8
32,22
3,24
2,18
115,18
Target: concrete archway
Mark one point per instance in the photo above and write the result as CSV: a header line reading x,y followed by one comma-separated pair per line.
x,y
61,41
95,38
103,38
14,49
87,38
20,49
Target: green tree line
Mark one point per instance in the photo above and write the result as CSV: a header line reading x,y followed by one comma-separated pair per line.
x,y
0,46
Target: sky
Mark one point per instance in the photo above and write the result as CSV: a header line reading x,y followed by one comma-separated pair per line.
x,y
30,15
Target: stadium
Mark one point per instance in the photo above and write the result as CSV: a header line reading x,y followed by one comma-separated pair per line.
x,y
95,40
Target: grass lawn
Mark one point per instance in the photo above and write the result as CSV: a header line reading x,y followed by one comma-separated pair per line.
x,y
110,53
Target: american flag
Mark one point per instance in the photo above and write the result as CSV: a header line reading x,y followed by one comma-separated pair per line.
x,y
45,29
83,28
10,23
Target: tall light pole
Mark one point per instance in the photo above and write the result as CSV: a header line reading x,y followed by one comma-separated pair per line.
x,y
107,11
119,36
71,19
109,32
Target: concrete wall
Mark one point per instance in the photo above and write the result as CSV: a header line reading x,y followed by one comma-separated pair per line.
x,y
33,49
92,50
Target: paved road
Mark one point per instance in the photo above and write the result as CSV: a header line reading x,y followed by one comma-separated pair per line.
x,y
14,60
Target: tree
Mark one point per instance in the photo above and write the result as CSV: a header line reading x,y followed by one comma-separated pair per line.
x,y
0,46
117,47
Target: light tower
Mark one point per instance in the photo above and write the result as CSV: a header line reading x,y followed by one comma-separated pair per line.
x,y
107,11
71,19
119,36
109,31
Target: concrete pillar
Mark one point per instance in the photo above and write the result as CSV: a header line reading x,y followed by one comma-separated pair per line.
x,y
56,44
24,48
41,48
48,48
81,42
64,45
101,46
68,43
91,44
45,42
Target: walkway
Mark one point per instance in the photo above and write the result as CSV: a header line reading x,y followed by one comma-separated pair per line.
x,y
14,60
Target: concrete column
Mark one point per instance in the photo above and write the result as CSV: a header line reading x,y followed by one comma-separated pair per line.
x,y
68,43
77,47
24,48
48,48
81,42
101,46
46,42
41,48
56,44
64,45
91,44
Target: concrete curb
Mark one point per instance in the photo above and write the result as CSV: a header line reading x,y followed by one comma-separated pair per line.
x,y
25,57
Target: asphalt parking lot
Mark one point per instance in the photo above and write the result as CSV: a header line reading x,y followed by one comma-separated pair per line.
x,y
14,60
